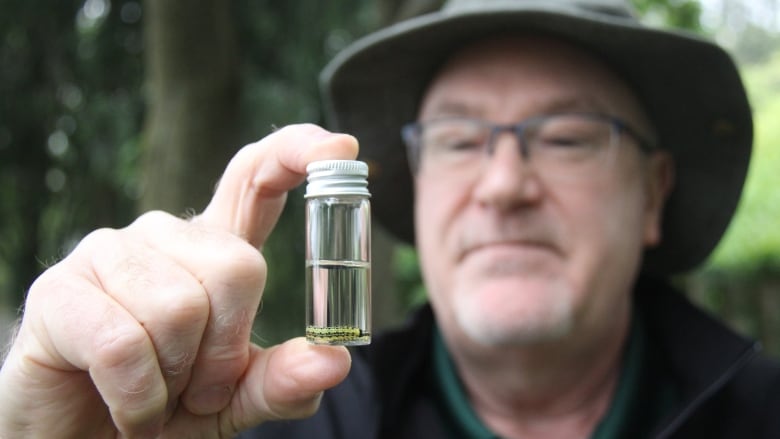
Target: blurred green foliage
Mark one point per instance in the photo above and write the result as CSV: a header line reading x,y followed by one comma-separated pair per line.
x,y
752,242
679,14
70,117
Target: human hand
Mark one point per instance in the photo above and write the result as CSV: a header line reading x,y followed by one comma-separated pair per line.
x,y
144,331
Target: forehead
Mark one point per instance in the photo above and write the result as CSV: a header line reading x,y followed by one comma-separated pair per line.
x,y
526,74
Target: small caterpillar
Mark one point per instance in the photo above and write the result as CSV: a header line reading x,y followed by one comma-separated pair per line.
x,y
334,334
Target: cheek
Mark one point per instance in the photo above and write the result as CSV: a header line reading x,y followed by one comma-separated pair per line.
x,y
426,213
591,216
436,207
435,213
608,226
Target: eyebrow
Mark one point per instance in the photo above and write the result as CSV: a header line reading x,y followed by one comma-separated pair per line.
x,y
557,105
454,108
579,103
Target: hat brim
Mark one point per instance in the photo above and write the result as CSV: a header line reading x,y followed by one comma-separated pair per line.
x,y
690,89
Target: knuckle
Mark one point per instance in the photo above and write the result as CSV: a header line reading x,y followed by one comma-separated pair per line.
x,y
133,269
180,316
176,362
54,285
152,219
233,257
119,345
184,305
237,263
98,239
47,284
247,263
231,332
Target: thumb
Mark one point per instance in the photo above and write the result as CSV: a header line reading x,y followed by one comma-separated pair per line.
x,y
286,382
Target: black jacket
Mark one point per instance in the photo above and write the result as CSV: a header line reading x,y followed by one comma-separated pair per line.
x,y
726,388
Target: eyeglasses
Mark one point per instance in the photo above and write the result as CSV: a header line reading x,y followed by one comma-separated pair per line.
x,y
566,146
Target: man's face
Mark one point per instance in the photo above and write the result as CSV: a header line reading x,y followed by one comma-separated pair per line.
x,y
511,256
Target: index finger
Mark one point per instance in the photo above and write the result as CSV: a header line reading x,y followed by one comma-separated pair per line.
x,y
252,191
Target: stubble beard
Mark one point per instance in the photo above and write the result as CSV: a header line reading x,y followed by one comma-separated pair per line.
x,y
516,317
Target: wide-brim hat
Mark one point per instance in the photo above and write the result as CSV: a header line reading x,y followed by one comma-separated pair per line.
x,y
689,87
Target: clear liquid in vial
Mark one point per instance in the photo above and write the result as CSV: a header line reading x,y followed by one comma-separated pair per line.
x,y
338,302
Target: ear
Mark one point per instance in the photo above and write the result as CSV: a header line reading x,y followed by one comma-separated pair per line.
x,y
659,183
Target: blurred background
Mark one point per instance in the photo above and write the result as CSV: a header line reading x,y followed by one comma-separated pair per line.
x,y
109,108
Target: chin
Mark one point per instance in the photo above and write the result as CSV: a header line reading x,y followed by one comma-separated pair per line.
x,y
507,313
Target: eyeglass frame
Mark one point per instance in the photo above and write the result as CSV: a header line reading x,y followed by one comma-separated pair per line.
x,y
412,130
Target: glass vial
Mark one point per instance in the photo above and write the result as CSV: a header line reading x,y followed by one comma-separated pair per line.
x,y
338,253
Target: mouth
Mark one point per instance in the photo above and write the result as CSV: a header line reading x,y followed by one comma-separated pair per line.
x,y
508,249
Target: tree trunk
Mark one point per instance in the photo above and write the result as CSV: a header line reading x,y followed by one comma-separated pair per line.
x,y
192,95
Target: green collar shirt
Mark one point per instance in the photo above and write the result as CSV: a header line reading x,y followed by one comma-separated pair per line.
x,y
638,403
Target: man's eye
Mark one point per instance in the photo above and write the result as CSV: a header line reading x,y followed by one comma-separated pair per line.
x,y
564,141
451,143
461,144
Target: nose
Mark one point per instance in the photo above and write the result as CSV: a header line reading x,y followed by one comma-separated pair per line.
x,y
508,179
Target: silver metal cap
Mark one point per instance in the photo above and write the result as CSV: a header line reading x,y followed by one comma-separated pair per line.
x,y
337,177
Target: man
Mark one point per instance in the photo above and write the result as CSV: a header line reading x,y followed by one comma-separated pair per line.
x,y
563,159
